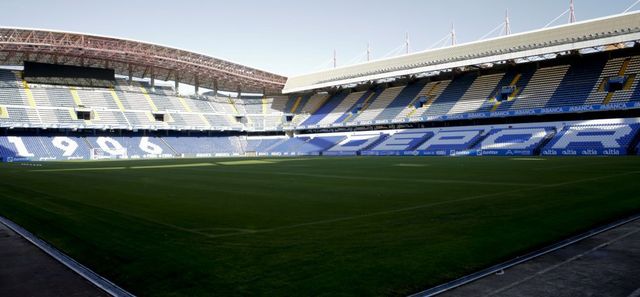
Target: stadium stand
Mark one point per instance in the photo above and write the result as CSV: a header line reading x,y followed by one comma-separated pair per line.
x,y
593,137
442,104
562,86
553,87
128,105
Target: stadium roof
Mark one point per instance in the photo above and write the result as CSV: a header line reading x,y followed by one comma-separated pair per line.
x,y
131,57
581,35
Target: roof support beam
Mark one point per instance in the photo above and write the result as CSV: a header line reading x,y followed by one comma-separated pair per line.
x,y
75,49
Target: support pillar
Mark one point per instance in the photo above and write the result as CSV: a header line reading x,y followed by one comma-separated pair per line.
x,y
197,85
153,78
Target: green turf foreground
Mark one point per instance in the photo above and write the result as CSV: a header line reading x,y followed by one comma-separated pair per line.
x,y
310,226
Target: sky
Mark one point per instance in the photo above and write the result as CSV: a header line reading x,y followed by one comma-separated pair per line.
x,y
292,37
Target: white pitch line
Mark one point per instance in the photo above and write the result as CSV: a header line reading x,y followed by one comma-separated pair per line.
x,y
246,162
79,169
528,159
410,165
173,166
122,167
390,179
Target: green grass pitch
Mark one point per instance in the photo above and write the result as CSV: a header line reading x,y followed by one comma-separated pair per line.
x,y
364,226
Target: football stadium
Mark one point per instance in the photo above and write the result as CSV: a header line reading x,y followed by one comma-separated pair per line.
x,y
506,166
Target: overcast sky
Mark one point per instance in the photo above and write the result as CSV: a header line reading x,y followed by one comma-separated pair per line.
x,y
295,36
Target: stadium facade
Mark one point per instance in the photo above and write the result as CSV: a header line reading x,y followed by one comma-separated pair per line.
x,y
567,90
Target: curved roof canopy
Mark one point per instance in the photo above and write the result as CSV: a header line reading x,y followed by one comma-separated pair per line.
x,y
587,34
135,58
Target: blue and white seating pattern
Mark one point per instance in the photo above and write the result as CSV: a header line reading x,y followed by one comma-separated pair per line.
x,y
514,141
318,144
134,147
596,137
354,144
447,143
601,138
401,142
43,148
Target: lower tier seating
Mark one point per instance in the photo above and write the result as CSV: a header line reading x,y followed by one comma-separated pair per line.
x,y
594,137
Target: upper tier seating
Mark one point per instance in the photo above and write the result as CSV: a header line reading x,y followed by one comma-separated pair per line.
x,y
567,85
547,89
325,109
128,105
